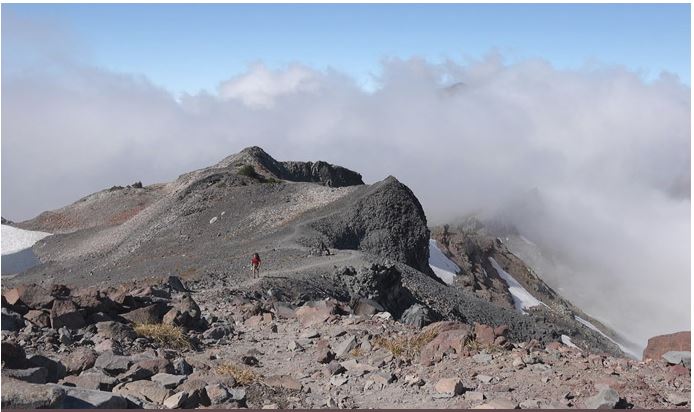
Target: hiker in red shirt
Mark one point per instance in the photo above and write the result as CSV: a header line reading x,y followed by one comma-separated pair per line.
x,y
255,265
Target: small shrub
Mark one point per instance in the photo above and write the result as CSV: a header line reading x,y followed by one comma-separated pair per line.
x,y
406,347
165,335
247,170
241,374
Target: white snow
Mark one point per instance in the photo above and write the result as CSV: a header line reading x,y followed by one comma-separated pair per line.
x,y
442,266
522,299
593,327
567,341
15,240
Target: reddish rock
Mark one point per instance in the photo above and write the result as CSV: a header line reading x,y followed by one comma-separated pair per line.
x,y
678,370
501,330
309,316
39,318
438,327
34,296
443,343
659,345
65,313
92,300
484,334
147,315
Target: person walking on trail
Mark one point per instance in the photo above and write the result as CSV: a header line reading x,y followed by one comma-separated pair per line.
x,y
255,265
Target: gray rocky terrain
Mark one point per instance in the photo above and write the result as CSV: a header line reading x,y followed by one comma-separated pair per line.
x,y
144,297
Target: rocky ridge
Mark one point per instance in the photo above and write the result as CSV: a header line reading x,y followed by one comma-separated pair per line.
x,y
152,345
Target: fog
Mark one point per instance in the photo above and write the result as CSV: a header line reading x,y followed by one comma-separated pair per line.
x,y
608,152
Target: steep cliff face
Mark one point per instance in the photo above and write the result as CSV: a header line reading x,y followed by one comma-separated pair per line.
x,y
386,220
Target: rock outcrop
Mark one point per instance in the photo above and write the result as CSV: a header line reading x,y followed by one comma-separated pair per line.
x,y
659,345
318,172
386,220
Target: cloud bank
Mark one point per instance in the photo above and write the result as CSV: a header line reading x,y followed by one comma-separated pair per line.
x,y
609,153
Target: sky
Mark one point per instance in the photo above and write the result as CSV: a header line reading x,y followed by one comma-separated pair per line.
x,y
188,48
572,121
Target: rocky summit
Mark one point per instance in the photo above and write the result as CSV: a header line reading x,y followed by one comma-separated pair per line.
x,y
144,298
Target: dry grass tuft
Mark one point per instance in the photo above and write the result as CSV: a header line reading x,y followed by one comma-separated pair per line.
x,y
404,346
241,374
165,335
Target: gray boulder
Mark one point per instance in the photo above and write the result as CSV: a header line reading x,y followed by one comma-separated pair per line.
x,y
31,375
607,398
80,398
417,315
678,357
17,394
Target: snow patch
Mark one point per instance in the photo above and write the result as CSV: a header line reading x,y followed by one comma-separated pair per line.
x,y
15,240
522,299
593,327
567,341
442,266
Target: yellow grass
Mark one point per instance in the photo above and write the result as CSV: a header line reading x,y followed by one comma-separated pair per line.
x,y
165,335
404,346
241,374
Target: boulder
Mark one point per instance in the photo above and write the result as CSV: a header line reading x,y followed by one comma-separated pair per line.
x,y
113,364
90,379
217,393
23,395
218,332
310,315
92,300
416,315
168,380
345,346
449,387
367,307
151,314
484,334
659,345
284,310
40,318
65,313
56,370
82,358
445,342
607,398
145,390
11,321
146,368
185,313
80,398
176,400
31,375
116,331
678,358
33,296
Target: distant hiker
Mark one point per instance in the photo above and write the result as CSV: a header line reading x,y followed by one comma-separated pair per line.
x,y
255,264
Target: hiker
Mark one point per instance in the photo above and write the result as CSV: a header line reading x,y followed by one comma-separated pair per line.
x,y
255,265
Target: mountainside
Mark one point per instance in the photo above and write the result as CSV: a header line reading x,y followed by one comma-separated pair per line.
x,y
336,254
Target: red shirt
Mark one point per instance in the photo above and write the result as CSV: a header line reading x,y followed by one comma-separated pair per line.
x,y
255,261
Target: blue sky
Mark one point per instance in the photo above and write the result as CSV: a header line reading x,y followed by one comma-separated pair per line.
x,y
186,48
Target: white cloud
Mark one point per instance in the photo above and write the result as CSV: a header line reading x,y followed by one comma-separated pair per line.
x,y
260,86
